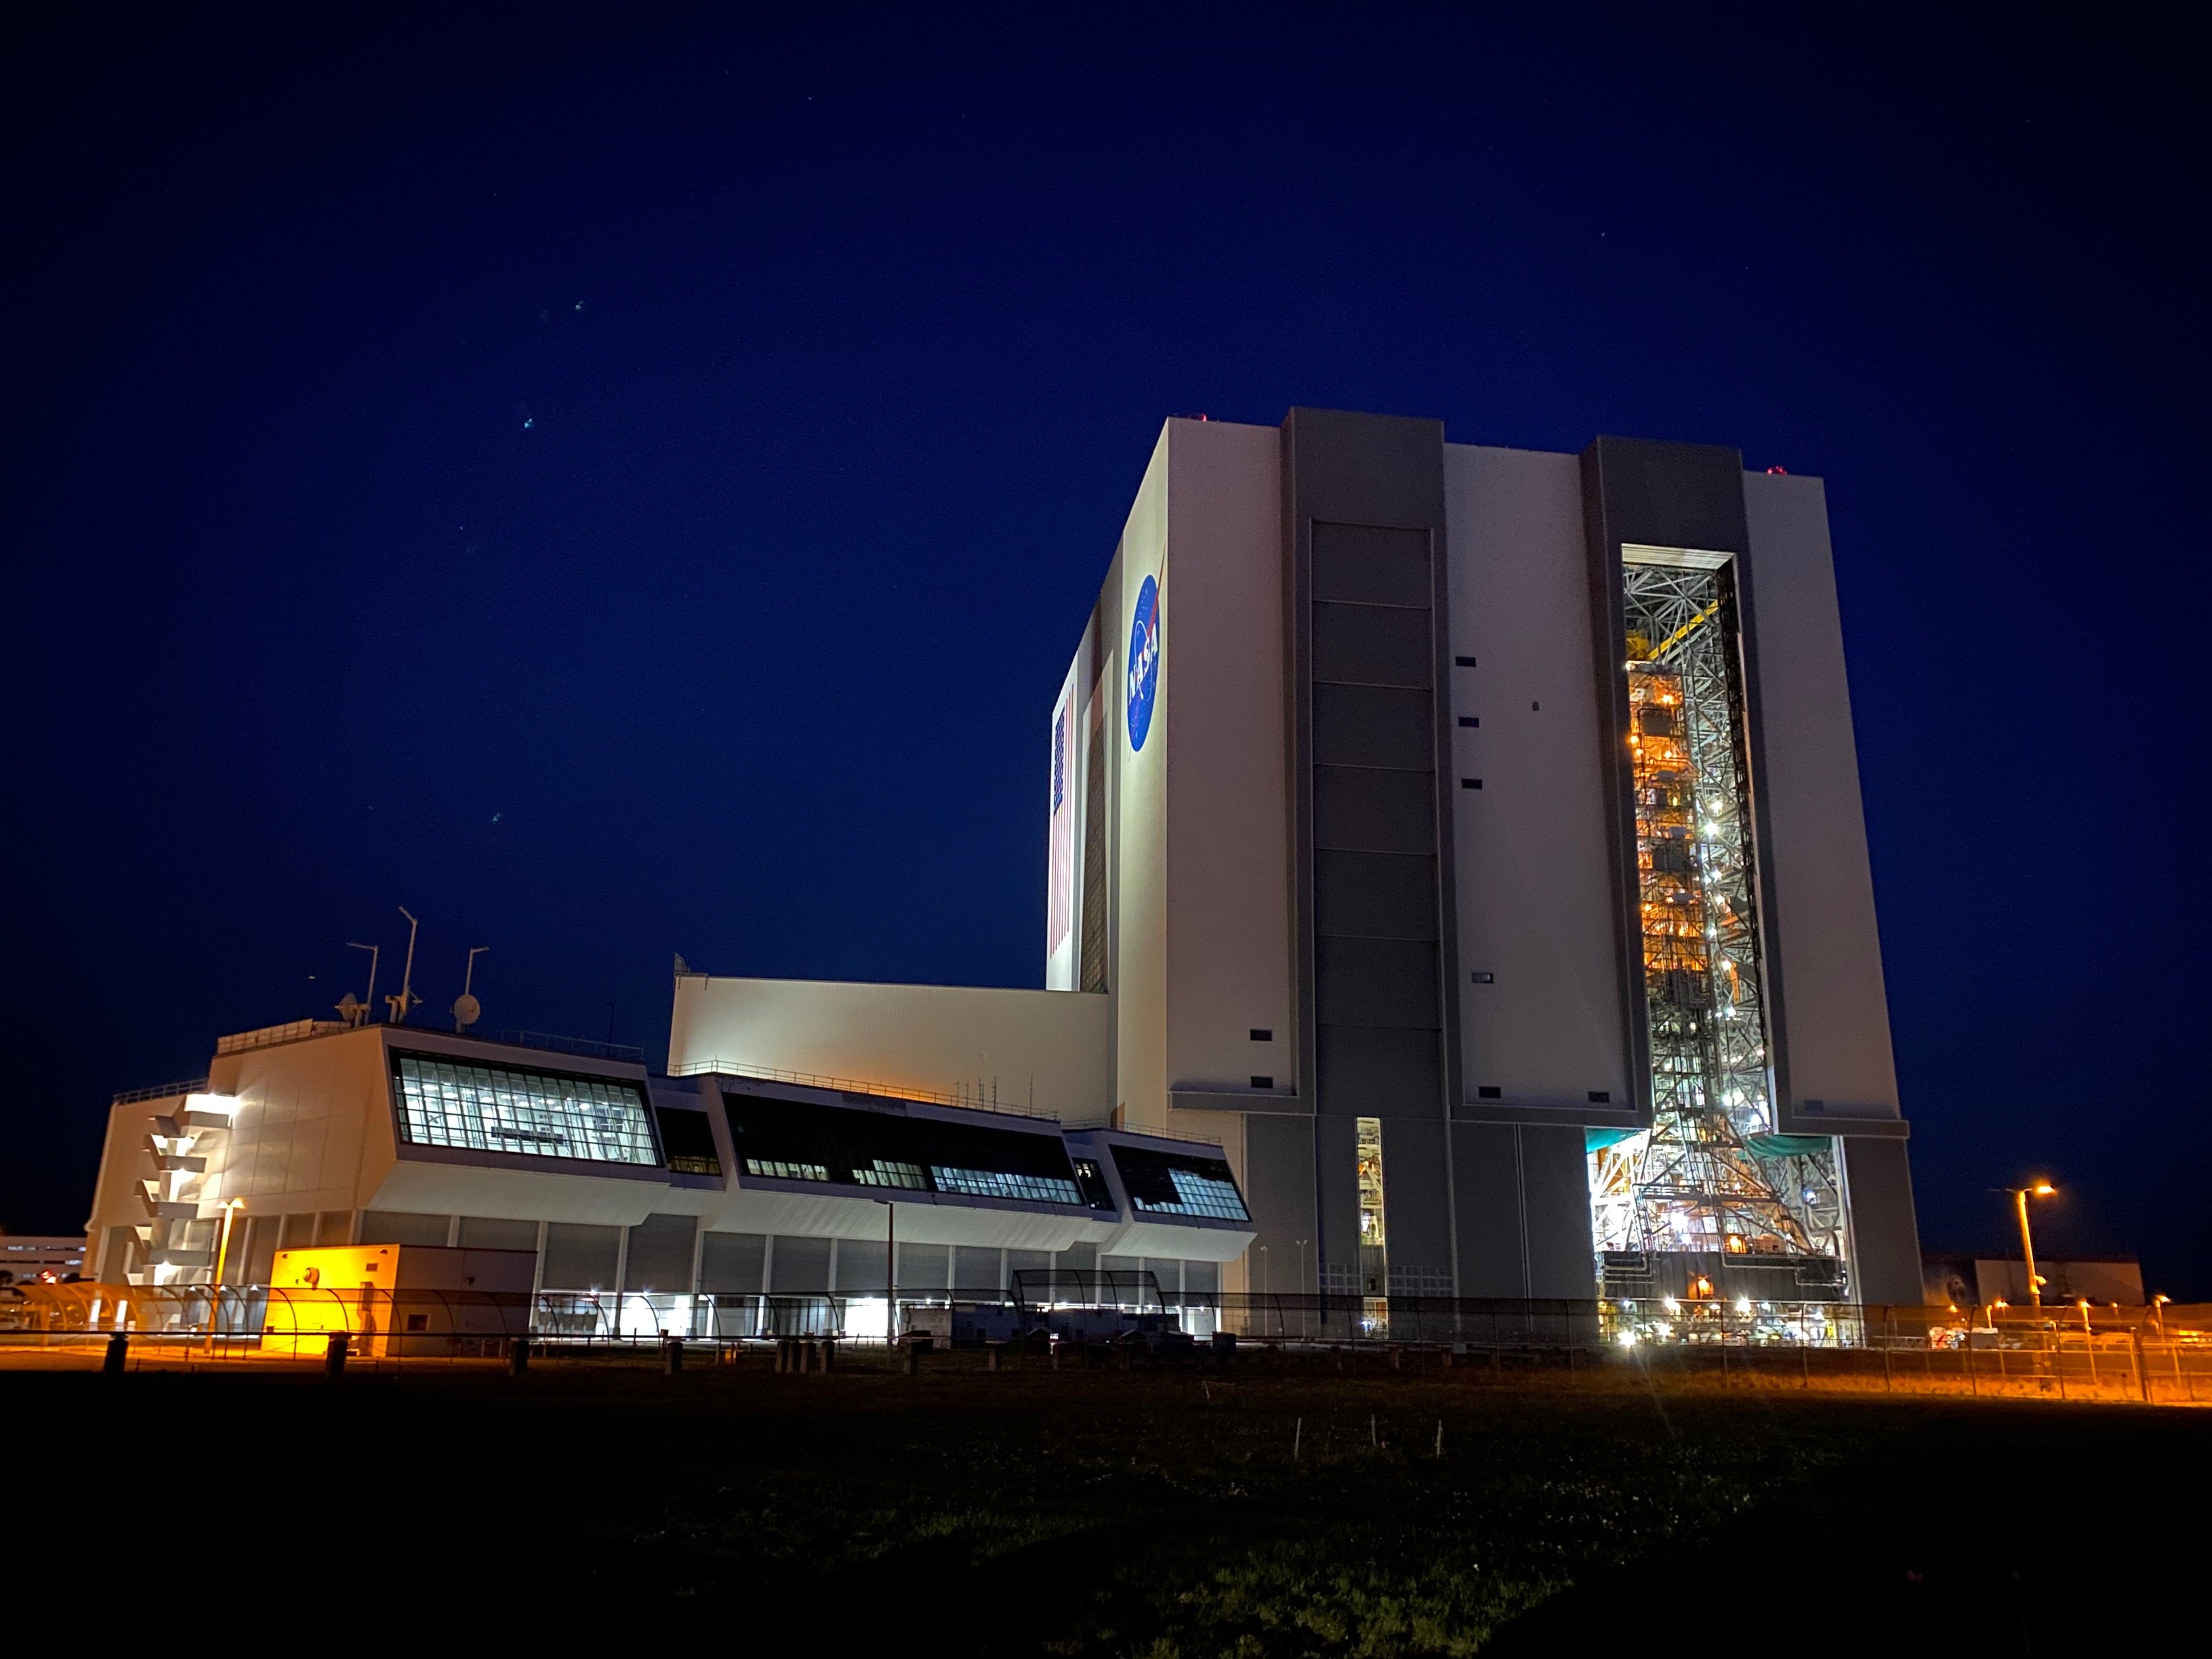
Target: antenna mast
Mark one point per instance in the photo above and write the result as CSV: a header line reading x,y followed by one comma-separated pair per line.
x,y
369,1007
406,998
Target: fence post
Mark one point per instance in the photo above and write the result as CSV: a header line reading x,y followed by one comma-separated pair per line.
x,y
518,1355
334,1356
2142,1369
118,1354
1888,1336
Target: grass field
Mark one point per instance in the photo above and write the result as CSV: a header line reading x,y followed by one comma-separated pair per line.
x,y
1250,1511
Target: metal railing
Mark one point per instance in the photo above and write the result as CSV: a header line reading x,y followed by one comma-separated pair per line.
x,y
162,1091
588,1047
974,1103
269,1037
2136,1355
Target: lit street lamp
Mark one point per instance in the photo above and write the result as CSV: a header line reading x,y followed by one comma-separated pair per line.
x,y
230,1207
2020,1197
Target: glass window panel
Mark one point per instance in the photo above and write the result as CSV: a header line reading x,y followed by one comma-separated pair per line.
x,y
489,1109
998,1183
1164,1183
777,1169
891,1147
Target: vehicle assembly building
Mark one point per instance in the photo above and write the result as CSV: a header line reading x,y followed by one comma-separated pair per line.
x,y
1457,888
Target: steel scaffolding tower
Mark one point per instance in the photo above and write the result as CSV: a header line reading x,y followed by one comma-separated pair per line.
x,y
1710,1178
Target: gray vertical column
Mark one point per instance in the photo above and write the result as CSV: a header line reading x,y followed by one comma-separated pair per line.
x,y
1371,803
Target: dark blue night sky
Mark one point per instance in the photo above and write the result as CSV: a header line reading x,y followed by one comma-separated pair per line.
x,y
619,487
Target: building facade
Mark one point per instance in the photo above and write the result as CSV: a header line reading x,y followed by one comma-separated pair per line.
x,y
1456,886
1470,840
649,1202
26,1257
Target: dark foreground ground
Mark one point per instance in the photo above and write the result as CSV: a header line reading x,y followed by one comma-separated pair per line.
x,y
1102,1513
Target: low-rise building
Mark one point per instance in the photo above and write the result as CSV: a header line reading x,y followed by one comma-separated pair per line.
x,y
670,1203
27,1256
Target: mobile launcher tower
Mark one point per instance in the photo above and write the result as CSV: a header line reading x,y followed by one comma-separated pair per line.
x,y
1469,839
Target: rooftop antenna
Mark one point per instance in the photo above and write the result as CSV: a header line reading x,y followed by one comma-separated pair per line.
x,y
359,1011
467,1011
406,998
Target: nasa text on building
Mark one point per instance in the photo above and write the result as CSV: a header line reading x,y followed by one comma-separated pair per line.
x,y
1455,856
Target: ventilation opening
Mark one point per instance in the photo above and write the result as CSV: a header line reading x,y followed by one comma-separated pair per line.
x,y
1261,1034
1463,662
1483,979
1601,1097
1263,1083
1489,1092
1470,720
1470,783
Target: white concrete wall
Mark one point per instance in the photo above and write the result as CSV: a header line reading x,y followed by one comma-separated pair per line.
x,y
1092,693
1138,980
122,1164
1532,856
1045,1049
1835,1007
314,1129
1228,852
1063,830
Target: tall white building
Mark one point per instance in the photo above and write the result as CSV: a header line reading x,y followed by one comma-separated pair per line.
x,y
1470,840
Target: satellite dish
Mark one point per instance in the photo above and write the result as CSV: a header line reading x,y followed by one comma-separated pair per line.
x,y
349,1009
467,1011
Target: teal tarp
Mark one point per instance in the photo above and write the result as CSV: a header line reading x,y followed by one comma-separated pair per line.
x,y
1594,1141
1787,1146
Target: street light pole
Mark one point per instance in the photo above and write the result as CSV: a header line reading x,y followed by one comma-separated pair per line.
x,y
2027,1247
230,1207
2020,1197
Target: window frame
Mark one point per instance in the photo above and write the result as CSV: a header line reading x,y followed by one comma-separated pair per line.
x,y
657,1160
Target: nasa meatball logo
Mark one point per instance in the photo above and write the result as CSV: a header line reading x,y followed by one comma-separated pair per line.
x,y
1144,676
